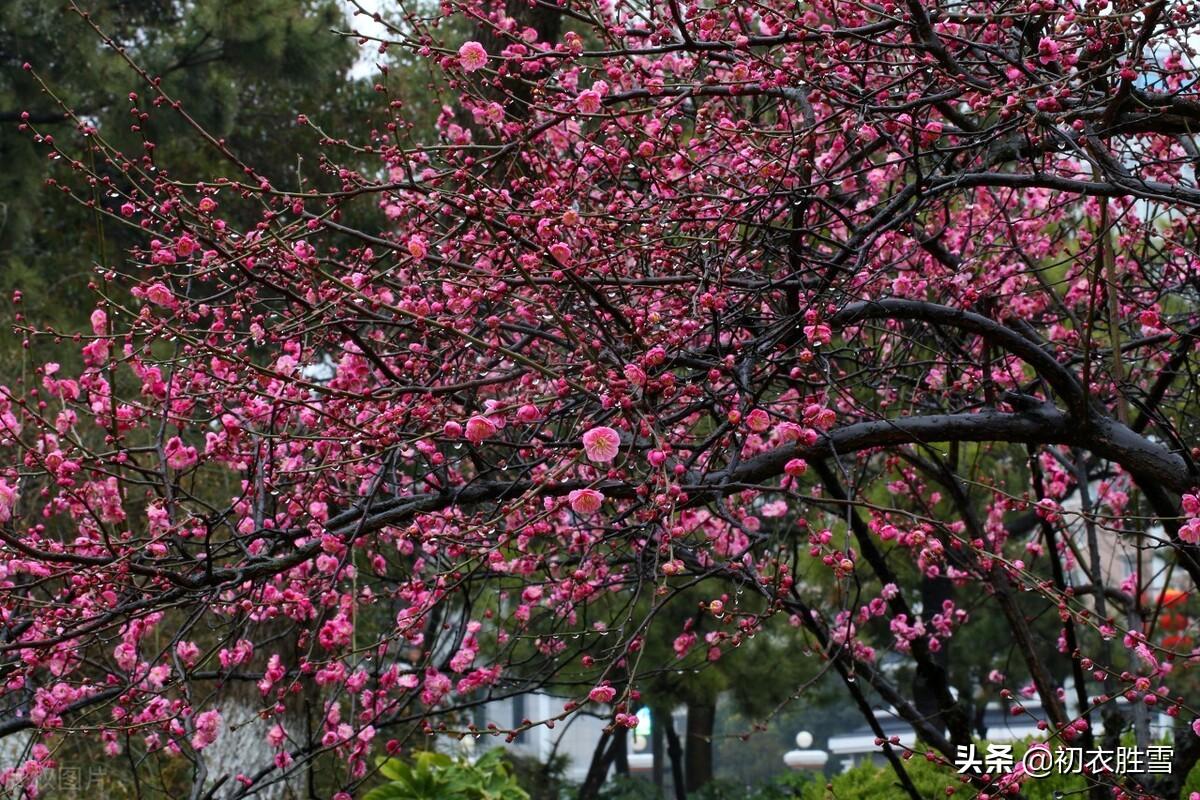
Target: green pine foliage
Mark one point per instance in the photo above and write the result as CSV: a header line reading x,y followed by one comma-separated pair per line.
x,y
243,69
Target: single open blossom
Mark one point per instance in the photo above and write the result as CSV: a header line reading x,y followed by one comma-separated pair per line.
x,y
417,247
561,252
479,428
758,420
472,56
601,444
585,502
602,694
160,294
588,101
796,467
185,246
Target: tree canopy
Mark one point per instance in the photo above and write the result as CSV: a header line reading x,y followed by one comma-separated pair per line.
x,y
876,321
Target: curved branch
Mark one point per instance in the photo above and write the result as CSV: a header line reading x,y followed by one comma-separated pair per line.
x,y
1058,376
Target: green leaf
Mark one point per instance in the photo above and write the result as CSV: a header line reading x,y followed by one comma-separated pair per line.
x,y
389,791
394,769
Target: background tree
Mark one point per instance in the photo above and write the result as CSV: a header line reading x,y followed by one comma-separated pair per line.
x,y
244,71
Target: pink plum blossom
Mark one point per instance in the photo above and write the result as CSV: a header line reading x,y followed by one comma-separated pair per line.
x,y
472,56
479,428
601,444
585,502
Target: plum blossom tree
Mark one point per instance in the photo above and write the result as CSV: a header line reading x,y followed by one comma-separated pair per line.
x,y
875,319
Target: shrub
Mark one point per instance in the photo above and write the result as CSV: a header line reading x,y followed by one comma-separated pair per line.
x,y
437,776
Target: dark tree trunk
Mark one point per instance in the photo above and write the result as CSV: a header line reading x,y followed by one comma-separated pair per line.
x,y
602,758
675,751
621,753
934,591
700,720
